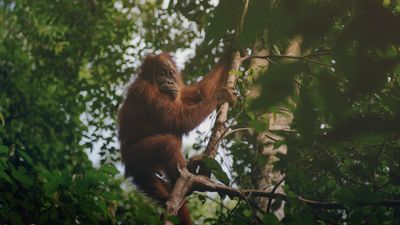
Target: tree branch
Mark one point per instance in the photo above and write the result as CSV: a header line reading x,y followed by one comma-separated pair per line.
x,y
219,128
204,184
184,183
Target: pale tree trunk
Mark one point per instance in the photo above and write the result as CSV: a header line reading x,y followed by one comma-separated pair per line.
x,y
278,121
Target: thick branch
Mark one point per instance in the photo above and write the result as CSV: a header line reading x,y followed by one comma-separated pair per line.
x,y
204,184
181,188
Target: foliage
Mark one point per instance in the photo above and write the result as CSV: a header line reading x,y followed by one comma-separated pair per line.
x,y
63,65
344,142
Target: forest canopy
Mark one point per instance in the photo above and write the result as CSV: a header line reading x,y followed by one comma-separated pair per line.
x,y
316,125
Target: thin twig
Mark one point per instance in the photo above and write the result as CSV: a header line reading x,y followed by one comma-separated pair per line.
x,y
319,63
273,191
237,130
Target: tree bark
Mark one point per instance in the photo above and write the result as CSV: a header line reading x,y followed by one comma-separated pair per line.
x,y
278,121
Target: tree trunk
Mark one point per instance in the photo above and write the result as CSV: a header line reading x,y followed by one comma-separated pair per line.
x,y
278,121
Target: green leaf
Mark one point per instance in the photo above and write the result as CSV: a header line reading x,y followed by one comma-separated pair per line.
x,y
82,186
386,3
371,139
216,169
16,218
391,102
270,219
110,169
291,194
251,115
345,197
25,156
196,146
103,206
54,180
258,126
219,24
4,176
109,195
21,176
93,176
305,116
277,84
279,143
329,94
373,196
255,21
3,150
262,160
174,219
